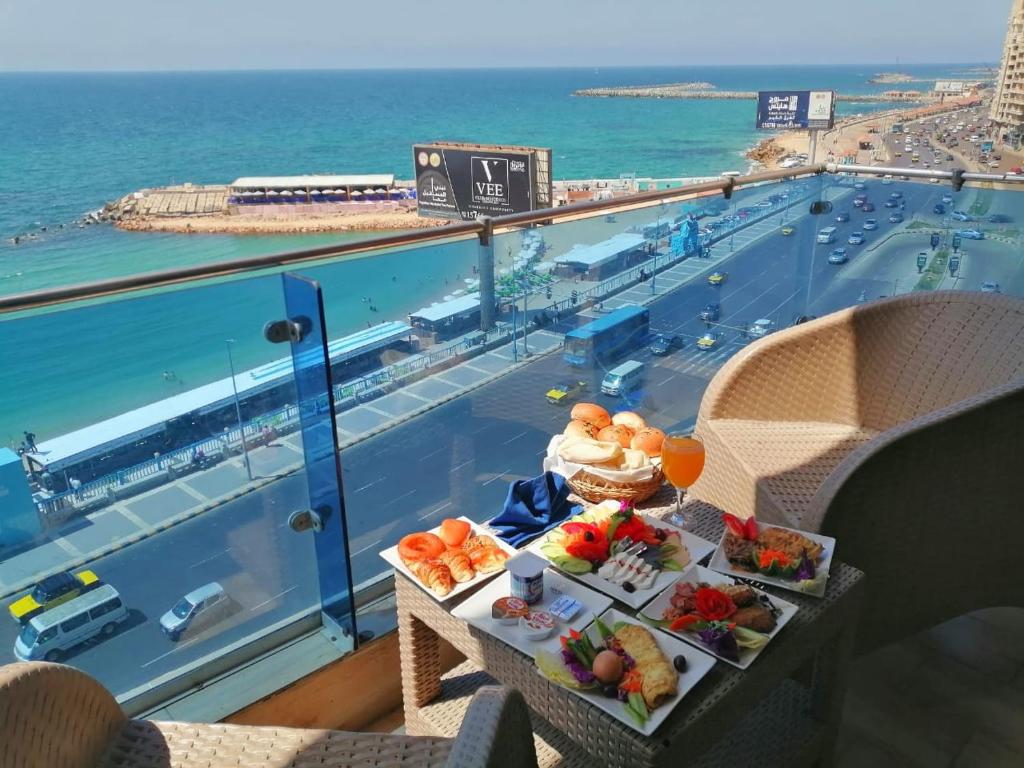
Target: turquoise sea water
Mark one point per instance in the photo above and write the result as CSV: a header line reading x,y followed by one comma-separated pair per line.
x,y
73,142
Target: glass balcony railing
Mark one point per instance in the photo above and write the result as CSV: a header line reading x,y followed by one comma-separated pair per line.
x,y
173,446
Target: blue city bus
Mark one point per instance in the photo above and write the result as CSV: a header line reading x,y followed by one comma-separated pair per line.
x,y
623,329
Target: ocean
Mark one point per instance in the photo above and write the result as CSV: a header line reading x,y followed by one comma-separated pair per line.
x,y
75,141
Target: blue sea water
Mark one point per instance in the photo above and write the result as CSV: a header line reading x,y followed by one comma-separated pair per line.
x,y
74,141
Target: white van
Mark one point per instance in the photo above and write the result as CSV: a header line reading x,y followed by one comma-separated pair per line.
x,y
53,633
623,378
827,235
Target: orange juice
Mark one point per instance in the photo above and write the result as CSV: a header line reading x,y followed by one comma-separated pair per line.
x,y
682,460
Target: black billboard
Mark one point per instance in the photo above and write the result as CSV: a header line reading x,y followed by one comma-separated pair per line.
x,y
464,181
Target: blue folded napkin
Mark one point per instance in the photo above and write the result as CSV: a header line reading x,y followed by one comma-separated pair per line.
x,y
533,507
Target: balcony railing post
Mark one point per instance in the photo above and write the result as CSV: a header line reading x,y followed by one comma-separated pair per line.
x,y
485,267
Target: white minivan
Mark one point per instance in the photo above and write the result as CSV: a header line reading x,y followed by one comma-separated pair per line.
x,y
53,633
623,378
827,235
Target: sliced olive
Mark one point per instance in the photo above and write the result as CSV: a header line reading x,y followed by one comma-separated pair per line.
x,y
628,586
588,536
611,691
679,662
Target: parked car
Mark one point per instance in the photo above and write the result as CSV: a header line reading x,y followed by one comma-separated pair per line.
x,y
838,256
664,343
990,287
842,218
961,216
870,224
999,218
970,234
711,313
53,591
939,208
855,238
565,392
895,218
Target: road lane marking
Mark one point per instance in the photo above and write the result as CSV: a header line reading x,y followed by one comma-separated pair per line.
x,y
192,491
272,599
379,479
211,557
434,512
181,647
481,429
666,381
360,551
515,437
499,475
460,466
399,498
434,453
67,546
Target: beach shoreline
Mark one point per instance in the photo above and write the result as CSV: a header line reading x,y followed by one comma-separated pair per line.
x,y
279,225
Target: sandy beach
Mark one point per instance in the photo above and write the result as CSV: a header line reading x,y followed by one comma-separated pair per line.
x,y
253,225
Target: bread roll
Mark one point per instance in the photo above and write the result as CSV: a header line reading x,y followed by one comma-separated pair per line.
x,y
577,428
648,440
589,451
616,433
629,419
633,459
592,414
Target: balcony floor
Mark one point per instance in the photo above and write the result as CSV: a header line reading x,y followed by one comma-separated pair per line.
x,y
951,697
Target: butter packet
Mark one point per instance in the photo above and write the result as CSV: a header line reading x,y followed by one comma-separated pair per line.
x,y
564,607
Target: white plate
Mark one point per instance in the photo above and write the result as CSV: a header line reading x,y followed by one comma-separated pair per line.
x,y
698,549
656,608
391,555
719,562
698,664
476,610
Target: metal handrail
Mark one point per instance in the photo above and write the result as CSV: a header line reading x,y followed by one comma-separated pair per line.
x,y
19,302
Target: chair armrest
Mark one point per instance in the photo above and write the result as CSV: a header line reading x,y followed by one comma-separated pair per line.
x,y
803,373
496,732
53,716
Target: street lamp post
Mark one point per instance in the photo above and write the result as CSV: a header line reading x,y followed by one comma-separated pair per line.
x,y
238,409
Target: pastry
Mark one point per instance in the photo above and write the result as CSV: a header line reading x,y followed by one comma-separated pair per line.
x,y
660,678
419,546
435,576
454,532
459,564
478,542
488,559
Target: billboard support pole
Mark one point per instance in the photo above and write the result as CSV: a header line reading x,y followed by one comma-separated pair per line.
x,y
812,150
485,267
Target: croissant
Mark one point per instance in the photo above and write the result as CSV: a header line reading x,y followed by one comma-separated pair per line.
x,y
459,564
435,575
478,542
488,559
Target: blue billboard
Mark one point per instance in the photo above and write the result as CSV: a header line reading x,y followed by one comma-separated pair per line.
x,y
786,110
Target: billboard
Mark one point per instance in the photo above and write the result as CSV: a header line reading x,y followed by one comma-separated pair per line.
x,y
784,110
464,181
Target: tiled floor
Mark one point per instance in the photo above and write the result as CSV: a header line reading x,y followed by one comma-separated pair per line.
x,y
951,697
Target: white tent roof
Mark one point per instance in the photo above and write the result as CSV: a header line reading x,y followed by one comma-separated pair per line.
x,y
603,252
437,312
315,181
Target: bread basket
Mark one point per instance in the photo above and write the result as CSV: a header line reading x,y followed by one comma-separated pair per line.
x,y
596,488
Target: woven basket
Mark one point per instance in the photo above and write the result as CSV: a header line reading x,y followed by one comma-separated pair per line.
x,y
595,488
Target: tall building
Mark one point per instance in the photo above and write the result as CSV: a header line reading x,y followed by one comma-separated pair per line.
x,y
1008,103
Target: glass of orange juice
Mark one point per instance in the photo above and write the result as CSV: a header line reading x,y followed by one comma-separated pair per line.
x,y
682,461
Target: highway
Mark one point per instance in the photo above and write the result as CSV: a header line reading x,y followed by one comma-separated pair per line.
x,y
458,458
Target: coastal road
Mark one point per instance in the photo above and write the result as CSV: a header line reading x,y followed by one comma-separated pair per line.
x,y
456,459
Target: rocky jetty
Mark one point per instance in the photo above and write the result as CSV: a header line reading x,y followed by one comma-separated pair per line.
x,y
688,91
889,78
766,152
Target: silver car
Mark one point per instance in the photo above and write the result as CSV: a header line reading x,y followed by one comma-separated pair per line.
x,y
202,606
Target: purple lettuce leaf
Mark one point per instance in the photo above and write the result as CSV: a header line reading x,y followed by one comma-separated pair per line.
x,y
719,639
806,568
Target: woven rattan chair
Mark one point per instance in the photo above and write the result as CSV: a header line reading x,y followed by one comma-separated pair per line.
x,y
893,426
53,716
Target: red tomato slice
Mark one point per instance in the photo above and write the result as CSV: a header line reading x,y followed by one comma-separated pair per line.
x,y
734,524
683,622
750,529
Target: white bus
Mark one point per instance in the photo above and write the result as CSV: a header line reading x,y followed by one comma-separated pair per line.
x,y
827,235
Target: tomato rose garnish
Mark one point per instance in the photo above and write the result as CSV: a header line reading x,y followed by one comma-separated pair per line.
x,y
714,605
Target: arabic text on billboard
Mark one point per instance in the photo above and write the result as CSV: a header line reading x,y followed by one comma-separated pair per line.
x,y
467,182
785,110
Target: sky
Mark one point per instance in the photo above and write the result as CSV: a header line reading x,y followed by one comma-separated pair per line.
x,y
78,35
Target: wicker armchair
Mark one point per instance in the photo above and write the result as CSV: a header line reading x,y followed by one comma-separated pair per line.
x,y
53,716
892,426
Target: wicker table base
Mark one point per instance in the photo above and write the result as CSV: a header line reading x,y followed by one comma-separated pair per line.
x,y
733,717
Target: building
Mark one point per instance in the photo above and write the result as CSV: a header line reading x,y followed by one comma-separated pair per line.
x,y
1008,102
596,262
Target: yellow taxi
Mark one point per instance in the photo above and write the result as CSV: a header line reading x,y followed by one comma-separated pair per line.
x,y
51,592
707,341
717,278
788,230
565,392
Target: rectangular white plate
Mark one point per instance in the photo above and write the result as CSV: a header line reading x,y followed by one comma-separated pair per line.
x,y
719,562
476,610
391,555
655,610
698,549
698,664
